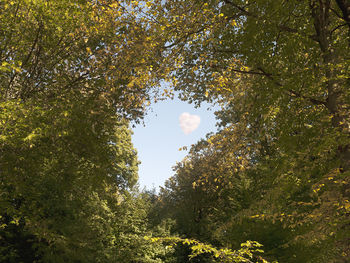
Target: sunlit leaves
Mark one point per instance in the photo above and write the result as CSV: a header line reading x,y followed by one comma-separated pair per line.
x,y
246,253
71,73
277,68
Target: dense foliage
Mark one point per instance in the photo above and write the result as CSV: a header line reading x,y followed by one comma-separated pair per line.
x,y
74,75
278,170
71,79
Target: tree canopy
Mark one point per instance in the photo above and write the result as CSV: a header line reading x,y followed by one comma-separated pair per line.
x,y
75,75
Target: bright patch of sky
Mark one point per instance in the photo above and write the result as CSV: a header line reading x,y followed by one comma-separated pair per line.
x,y
171,125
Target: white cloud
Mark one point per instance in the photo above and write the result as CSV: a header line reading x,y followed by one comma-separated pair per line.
x,y
188,122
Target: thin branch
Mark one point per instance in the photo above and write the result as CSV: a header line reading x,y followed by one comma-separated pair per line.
x,y
270,76
295,31
336,13
245,12
183,38
231,51
344,7
28,56
293,92
251,72
74,81
339,26
314,101
25,61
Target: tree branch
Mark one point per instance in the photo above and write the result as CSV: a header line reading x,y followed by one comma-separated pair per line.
x,y
245,12
344,6
314,101
293,92
295,31
183,38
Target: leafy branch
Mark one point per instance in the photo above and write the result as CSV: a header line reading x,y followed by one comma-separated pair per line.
x,y
247,252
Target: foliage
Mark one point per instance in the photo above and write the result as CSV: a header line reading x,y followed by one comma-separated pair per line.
x,y
60,179
279,70
131,225
72,75
89,49
244,254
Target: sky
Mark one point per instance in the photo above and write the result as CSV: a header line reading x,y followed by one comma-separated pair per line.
x,y
170,125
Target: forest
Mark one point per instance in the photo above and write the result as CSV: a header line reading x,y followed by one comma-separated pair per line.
x,y
271,185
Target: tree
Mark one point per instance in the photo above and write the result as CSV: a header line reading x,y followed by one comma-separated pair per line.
x,y
60,180
72,76
74,73
213,194
280,71
205,191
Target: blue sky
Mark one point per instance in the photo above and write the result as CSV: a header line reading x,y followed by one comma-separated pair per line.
x,y
158,142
